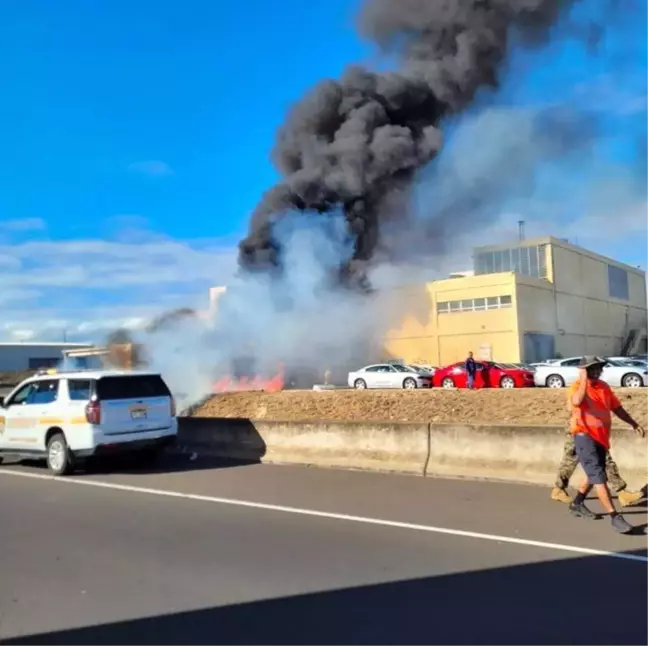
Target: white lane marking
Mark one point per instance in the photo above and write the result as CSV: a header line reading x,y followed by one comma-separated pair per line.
x,y
326,514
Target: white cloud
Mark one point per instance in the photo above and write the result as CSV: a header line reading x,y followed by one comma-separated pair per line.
x,y
151,167
97,264
88,287
23,225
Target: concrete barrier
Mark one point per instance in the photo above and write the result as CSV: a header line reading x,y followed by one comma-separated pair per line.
x,y
236,439
380,446
519,453
500,452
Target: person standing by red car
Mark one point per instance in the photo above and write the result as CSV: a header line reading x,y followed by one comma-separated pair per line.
x,y
471,371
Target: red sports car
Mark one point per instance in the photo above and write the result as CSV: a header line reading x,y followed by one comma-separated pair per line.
x,y
489,375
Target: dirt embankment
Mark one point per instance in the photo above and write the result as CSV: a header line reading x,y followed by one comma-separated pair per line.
x,y
523,406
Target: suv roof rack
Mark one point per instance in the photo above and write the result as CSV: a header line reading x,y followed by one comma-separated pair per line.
x,y
85,352
62,371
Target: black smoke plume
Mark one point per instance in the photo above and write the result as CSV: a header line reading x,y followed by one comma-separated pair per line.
x,y
355,145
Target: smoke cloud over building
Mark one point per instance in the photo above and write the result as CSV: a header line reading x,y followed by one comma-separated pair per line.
x,y
355,145
383,173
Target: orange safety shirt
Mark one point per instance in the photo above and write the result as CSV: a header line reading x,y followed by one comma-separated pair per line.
x,y
594,414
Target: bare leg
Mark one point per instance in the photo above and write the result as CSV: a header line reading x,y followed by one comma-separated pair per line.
x,y
603,494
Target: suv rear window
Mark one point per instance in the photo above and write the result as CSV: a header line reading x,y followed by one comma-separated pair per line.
x,y
131,387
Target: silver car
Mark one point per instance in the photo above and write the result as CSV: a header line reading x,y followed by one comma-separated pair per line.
x,y
388,375
563,372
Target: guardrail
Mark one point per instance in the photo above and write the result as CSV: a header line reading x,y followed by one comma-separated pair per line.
x,y
528,454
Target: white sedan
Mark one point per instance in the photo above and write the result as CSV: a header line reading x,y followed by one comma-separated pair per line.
x,y
388,375
563,372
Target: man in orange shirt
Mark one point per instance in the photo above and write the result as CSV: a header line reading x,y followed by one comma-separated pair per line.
x,y
593,402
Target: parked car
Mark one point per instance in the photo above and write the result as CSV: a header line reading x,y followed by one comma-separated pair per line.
x,y
388,375
489,375
564,372
628,361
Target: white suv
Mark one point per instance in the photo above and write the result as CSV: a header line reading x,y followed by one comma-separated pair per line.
x,y
68,416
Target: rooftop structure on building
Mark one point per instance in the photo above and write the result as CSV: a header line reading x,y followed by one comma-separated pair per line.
x,y
33,355
528,300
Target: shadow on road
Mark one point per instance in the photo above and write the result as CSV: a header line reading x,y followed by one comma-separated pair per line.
x,y
216,443
130,465
590,600
171,463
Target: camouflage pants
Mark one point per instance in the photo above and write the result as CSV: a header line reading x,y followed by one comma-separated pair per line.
x,y
570,461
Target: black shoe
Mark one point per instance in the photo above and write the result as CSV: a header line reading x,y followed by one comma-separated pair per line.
x,y
581,511
621,525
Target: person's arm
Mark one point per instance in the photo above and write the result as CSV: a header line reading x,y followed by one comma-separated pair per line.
x,y
623,414
579,393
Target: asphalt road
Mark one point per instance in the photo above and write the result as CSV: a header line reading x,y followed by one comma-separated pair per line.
x,y
126,556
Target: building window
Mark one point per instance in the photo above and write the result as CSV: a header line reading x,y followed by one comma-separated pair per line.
x,y
38,364
542,261
618,283
475,304
528,261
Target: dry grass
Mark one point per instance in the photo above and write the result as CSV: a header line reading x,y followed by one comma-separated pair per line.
x,y
523,406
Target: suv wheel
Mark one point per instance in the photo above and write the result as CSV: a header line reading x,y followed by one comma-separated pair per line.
x,y
59,457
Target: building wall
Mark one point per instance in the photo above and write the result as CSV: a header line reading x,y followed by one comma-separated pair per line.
x,y
578,271
576,306
433,332
27,356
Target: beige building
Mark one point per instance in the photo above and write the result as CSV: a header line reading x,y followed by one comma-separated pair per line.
x,y
528,301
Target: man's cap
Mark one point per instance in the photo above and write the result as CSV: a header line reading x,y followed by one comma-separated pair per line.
x,y
591,360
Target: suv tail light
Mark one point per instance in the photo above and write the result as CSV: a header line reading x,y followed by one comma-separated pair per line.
x,y
93,412
173,406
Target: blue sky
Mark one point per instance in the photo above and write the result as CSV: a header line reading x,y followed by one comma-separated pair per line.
x,y
153,119
135,141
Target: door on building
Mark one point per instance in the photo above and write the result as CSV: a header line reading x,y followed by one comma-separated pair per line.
x,y
538,347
